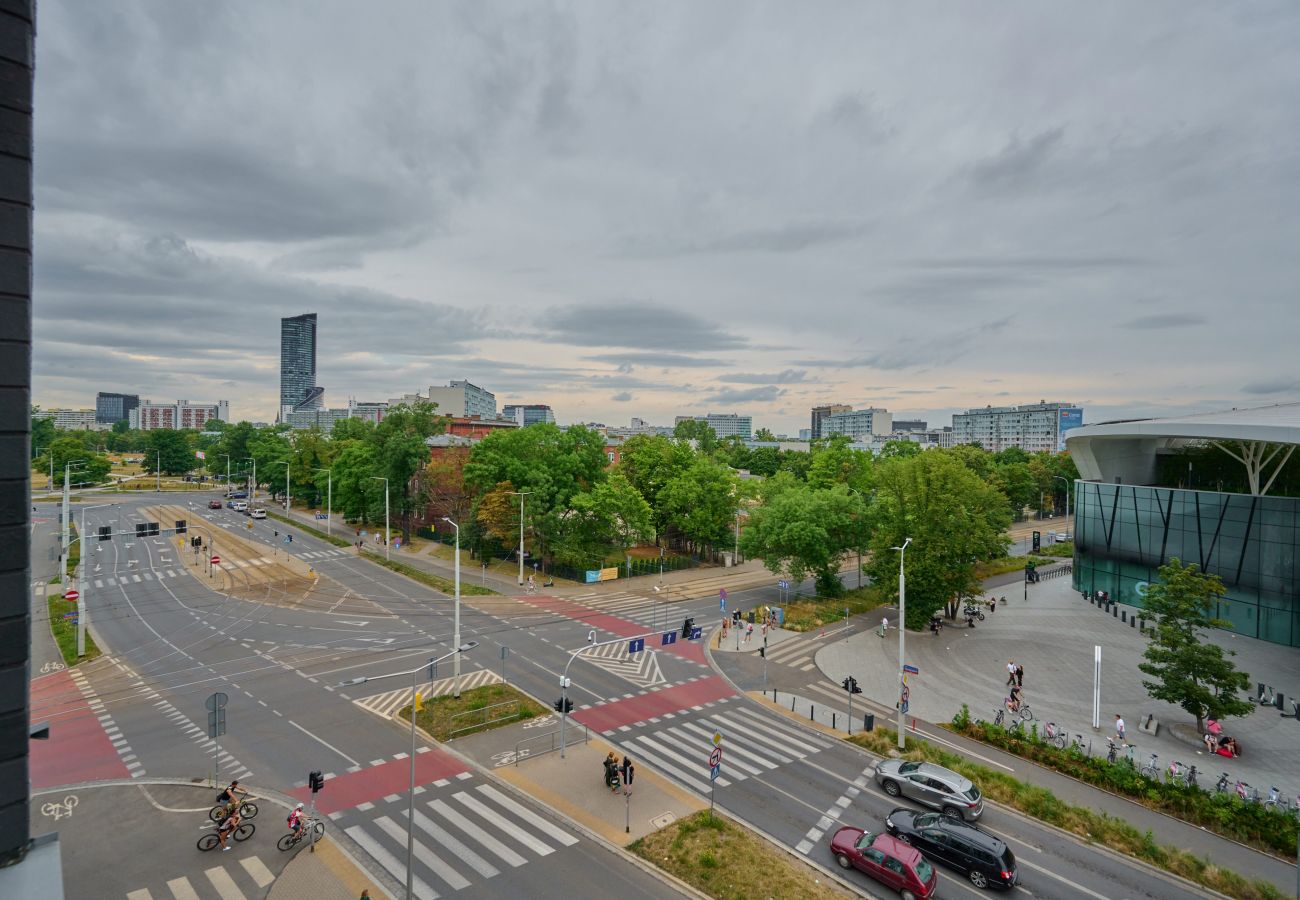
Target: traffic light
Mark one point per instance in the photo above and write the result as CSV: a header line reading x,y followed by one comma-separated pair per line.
x,y
153,529
196,541
316,781
180,526
1038,539
687,626
106,532
563,705
141,529
850,684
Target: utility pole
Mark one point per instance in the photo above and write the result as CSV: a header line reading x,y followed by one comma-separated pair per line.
x,y
522,495
329,499
158,471
64,544
902,635
456,624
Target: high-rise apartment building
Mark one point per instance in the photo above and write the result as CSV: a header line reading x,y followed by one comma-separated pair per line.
x,y
110,408
181,414
859,424
725,425
529,414
298,390
819,414
460,398
1035,427
906,425
71,419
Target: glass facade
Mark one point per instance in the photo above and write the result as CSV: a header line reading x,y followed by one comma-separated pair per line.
x,y
298,364
1123,533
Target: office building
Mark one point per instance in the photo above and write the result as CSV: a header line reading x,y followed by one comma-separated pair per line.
x,y
529,414
324,418
72,419
859,424
111,408
298,390
725,425
805,434
460,398
819,414
1035,427
181,414
904,425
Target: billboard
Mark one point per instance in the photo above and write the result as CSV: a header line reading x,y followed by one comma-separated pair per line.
x,y
1069,418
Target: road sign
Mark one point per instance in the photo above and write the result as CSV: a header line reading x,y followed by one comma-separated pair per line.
x,y
911,670
70,595
71,615
717,738
216,560
783,584
215,701
636,645
714,773
668,637
715,758
696,632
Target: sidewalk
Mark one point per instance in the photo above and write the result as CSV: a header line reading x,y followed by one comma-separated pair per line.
x,y
326,874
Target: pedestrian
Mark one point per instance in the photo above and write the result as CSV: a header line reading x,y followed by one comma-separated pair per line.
x,y
1119,729
884,626
1020,675
365,894
749,632
629,772
1011,671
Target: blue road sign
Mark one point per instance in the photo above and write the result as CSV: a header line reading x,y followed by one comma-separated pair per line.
x,y
911,670
783,584
714,771
668,637
696,632
636,645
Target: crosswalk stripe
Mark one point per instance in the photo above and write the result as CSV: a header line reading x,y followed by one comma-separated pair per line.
x,y
776,749
99,582
733,750
519,834
257,870
454,817
462,852
659,757
395,867
804,742
142,894
135,578
181,889
527,815
693,751
430,859
224,884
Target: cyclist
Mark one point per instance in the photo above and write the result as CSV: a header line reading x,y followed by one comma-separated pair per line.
x,y
295,820
1013,701
230,797
227,828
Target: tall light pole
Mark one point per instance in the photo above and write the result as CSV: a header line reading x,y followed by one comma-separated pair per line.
x,y
902,635
84,581
387,536
286,463
1067,501
410,794
329,499
158,470
64,540
522,495
252,492
455,628
227,456
49,486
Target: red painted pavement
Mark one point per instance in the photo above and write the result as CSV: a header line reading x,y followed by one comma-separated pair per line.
x,y
646,706
615,625
78,748
392,777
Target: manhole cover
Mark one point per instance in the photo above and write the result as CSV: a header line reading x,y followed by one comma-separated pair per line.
x,y
664,820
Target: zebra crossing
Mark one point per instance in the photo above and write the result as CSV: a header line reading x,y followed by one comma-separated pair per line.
x,y
321,554
461,835
137,578
642,669
241,879
797,653
754,743
388,703
648,611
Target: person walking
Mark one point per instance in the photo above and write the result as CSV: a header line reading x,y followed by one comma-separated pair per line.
x,y
1011,671
1020,675
1119,729
884,626
629,773
749,632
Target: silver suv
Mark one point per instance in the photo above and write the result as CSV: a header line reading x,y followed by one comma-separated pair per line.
x,y
932,786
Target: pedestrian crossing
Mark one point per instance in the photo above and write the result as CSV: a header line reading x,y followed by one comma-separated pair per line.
x,y
133,578
753,744
647,610
642,669
236,879
322,554
797,653
388,703
464,835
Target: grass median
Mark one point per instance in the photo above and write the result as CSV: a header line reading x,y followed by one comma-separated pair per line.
x,y
65,631
722,859
477,709
314,532
437,582
807,615
1045,806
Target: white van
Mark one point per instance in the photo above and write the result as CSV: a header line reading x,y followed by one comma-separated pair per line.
x,y
258,513
240,506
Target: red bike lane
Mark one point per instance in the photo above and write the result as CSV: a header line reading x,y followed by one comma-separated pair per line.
x,y
382,780
78,749
608,716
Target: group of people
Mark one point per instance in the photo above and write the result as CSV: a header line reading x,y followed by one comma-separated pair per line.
x,y
1218,742
1016,682
617,774
231,817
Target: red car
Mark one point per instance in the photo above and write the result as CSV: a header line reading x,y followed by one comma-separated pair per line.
x,y
214,504
887,860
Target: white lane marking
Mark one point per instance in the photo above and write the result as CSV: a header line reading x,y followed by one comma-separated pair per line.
x,y
528,815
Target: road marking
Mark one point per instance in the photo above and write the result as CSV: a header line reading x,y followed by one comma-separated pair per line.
x,y
424,854
528,815
1073,884
331,746
461,852
395,867
181,890
224,884
478,834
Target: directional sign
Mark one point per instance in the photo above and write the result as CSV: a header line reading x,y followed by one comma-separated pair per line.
x,y
783,584
70,615
216,560
70,595
636,645
696,632
668,637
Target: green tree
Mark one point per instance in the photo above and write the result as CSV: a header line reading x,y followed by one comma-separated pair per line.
x,y
172,449
611,516
764,461
401,453
696,430
835,462
1016,482
764,434
894,449
43,431
90,468
650,462
701,503
797,462
801,530
954,520
356,495
1186,668
352,430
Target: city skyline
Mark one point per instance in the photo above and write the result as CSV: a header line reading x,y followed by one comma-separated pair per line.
x,y
620,215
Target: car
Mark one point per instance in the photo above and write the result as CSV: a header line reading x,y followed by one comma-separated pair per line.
x,y
886,859
932,786
257,513
214,504
236,495
983,858
239,506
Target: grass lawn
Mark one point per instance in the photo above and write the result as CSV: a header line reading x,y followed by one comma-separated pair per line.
x,y
719,858
439,714
806,615
315,532
437,582
65,632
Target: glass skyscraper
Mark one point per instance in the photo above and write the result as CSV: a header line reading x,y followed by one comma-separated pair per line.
x,y
298,390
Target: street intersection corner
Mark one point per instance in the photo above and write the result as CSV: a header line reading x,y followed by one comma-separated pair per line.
x,y
327,874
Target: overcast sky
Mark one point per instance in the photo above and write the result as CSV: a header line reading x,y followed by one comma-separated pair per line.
x,y
648,209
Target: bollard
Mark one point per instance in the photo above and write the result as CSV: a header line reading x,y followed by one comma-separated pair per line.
x,y
833,721
1132,621
1280,705
811,711
1123,617
792,704
1114,611
868,721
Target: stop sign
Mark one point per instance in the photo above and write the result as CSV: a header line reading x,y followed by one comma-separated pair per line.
x,y
216,560
71,595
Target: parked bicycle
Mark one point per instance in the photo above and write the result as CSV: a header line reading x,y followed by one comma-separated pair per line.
x,y
1112,749
293,839
1246,793
970,611
1150,769
242,832
1077,745
1056,736
1177,773
1221,786
1277,802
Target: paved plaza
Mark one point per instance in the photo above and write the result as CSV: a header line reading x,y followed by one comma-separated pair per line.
x,y
1052,635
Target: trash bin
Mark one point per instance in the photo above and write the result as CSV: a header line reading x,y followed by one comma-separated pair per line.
x,y
869,722
751,617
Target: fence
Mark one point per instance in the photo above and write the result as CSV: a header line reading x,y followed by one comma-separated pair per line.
x,y
553,742
483,716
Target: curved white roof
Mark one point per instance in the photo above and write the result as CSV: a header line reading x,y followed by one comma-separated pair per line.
x,y
1127,450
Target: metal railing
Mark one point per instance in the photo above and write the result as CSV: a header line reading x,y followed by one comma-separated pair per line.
x,y
553,743
484,713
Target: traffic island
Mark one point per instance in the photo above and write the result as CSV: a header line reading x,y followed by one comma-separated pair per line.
x,y
723,859
445,717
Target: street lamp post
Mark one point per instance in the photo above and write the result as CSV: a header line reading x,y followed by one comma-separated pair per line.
x,y
902,635
521,495
158,470
1067,500
252,491
387,536
329,499
84,582
65,541
286,463
410,801
455,628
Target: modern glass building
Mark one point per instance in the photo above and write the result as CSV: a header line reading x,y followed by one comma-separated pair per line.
x,y
1126,527
110,408
298,390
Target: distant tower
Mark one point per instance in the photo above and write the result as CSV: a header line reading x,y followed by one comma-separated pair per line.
x,y
298,388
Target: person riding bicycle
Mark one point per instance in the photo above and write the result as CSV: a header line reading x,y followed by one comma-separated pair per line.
x,y
231,798
1014,700
227,828
295,820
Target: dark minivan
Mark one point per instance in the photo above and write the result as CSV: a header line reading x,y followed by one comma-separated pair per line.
x,y
985,859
